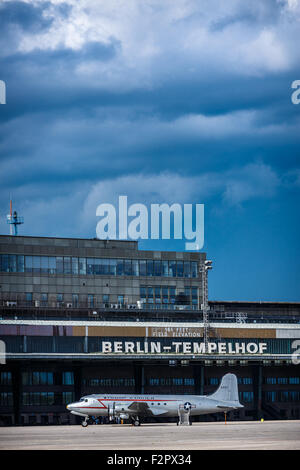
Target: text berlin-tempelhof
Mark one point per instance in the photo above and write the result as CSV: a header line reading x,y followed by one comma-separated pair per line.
x,y
156,347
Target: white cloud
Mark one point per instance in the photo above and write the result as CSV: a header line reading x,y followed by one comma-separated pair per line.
x,y
163,40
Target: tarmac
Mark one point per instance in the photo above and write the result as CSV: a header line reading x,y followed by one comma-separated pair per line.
x,y
245,435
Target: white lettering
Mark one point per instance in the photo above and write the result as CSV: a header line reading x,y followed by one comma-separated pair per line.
x,y
155,347
109,221
129,347
189,234
262,347
212,347
186,348
198,348
141,221
240,348
221,348
118,347
165,211
252,348
296,95
106,346
177,346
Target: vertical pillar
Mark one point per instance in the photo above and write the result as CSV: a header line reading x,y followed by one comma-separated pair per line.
x,y
202,381
197,378
78,382
259,394
257,389
17,393
138,377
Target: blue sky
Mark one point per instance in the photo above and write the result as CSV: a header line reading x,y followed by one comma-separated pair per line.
x,y
180,101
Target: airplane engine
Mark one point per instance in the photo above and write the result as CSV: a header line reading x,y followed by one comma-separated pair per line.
x,y
120,410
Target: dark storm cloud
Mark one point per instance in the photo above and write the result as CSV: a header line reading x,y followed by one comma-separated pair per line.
x,y
184,94
25,16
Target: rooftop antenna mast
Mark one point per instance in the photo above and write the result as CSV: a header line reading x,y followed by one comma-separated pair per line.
x,y
14,220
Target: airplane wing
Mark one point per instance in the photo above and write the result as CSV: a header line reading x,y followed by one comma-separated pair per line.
x,y
144,409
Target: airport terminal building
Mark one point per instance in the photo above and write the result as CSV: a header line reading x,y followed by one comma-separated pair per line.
x,y
83,316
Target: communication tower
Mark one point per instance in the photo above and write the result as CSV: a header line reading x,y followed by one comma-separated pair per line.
x,y
14,220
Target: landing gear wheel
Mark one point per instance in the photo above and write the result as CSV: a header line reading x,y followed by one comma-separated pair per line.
x,y
137,423
84,423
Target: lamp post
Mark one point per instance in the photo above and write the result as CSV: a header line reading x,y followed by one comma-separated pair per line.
x,y
205,267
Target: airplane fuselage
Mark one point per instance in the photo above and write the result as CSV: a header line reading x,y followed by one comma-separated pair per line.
x,y
134,406
157,405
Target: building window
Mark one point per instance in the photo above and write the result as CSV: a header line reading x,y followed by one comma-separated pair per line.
x,y
44,264
271,380
213,381
6,399
68,397
247,397
59,265
157,268
75,267
97,266
68,378
44,300
247,380
37,378
75,300
82,266
294,380
52,265
120,267
28,264
150,268
270,396
282,380
20,264
91,301
59,299
127,267
5,378
142,268
38,398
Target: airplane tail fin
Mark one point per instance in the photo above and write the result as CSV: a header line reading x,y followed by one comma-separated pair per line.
x,y
228,390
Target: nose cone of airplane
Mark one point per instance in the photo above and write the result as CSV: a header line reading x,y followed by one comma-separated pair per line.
x,y
69,407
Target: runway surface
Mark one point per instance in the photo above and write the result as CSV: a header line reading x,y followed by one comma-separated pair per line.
x,y
269,435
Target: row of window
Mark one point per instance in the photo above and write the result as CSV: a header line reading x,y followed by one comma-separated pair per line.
x,y
109,382
282,396
241,381
97,266
37,378
38,398
47,398
167,295
171,381
45,378
282,380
